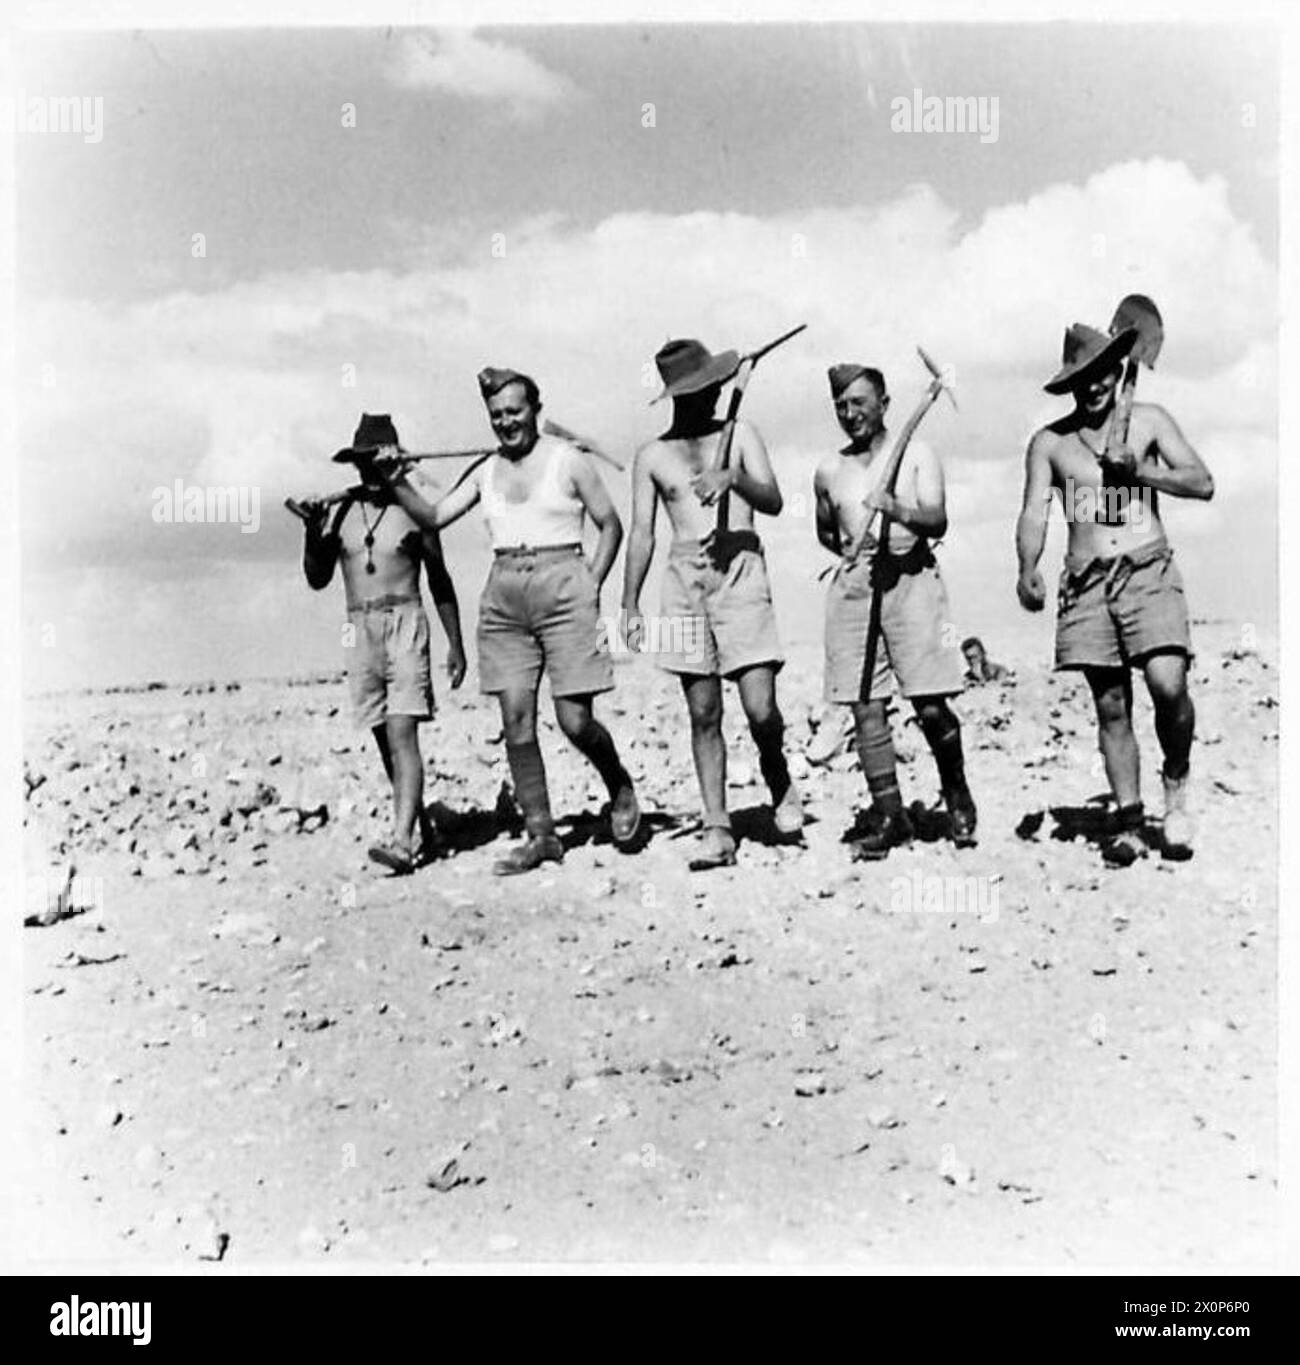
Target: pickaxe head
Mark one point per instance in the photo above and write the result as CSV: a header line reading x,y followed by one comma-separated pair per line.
x,y
942,376
585,443
1140,313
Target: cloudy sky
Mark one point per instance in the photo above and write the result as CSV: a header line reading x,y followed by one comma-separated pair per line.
x,y
383,212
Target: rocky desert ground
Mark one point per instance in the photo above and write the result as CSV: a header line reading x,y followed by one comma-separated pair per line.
x,y
244,1044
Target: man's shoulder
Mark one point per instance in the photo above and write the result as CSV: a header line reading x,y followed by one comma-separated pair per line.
x,y
1046,439
1150,414
829,467
657,450
920,452
556,448
405,520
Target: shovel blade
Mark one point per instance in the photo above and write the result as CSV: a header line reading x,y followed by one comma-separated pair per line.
x,y
1140,313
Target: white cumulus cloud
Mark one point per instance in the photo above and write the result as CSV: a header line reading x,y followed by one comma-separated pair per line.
x,y
260,382
460,62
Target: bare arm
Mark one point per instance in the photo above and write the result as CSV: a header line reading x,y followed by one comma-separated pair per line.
x,y
1185,475
320,550
445,603
1031,525
600,508
749,473
927,513
752,475
434,516
641,540
828,523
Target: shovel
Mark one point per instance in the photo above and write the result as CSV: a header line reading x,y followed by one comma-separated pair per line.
x,y
1138,312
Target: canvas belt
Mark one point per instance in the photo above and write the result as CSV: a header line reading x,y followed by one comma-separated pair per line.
x,y
1113,572
533,551
890,567
720,549
384,603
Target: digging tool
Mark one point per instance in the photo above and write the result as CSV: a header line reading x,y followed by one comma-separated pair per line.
x,y
722,454
1139,312
939,383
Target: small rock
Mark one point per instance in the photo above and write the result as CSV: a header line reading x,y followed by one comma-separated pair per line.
x,y
312,1242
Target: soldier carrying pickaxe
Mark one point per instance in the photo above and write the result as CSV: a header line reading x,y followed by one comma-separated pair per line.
x,y
1121,604
880,504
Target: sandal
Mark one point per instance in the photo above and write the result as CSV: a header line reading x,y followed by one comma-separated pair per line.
x,y
717,849
392,856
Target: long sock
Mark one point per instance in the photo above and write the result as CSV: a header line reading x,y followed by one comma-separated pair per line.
x,y
942,731
1175,726
596,745
529,774
875,745
769,737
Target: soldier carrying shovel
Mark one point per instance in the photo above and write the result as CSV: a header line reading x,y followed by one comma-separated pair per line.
x,y
1121,604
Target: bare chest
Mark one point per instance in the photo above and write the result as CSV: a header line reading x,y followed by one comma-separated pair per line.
x,y
378,534
681,462
1076,461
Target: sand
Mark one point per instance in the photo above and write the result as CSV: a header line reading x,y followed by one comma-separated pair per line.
x,y
252,1046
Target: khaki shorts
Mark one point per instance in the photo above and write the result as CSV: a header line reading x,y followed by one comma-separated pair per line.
x,y
1113,613
912,655
715,612
539,612
388,664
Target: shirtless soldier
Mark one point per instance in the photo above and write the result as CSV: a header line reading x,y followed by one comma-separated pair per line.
x,y
716,604
381,550
541,604
914,612
1120,604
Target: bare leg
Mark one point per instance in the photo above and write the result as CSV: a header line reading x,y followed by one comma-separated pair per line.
x,y
403,735
704,702
1166,677
1112,691
757,688
1112,694
428,835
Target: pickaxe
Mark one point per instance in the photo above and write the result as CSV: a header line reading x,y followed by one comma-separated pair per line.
x,y
1140,313
939,383
722,454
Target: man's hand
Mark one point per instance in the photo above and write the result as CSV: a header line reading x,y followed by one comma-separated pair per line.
x,y
878,500
380,466
711,484
312,511
1118,468
456,665
633,628
1031,590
